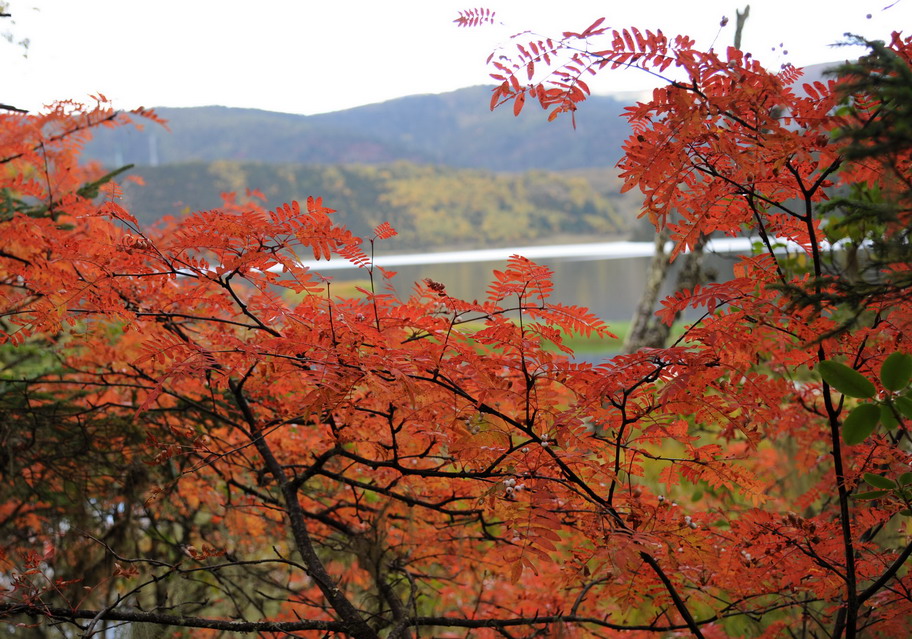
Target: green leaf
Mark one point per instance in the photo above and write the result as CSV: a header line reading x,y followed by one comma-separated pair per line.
x,y
860,423
888,417
878,481
905,478
904,406
873,494
896,371
846,380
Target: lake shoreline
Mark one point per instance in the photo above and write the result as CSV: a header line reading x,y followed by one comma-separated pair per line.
x,y
613,250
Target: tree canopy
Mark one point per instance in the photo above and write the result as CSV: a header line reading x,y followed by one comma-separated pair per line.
x,y
182,449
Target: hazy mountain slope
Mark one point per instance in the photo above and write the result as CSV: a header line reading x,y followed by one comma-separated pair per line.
x,y
459,129
456,129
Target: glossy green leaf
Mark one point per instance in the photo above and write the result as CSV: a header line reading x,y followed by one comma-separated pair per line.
x,y
896,371
878,481
872,494
846,380
888,417
860,423
904,406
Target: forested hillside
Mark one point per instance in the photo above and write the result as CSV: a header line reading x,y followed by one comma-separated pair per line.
x,y
455,129
444,169
431,206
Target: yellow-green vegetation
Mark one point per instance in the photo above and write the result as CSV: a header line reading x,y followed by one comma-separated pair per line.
x,y
593,345
582,345
430,206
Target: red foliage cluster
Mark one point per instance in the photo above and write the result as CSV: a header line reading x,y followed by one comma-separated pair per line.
x,y
205,437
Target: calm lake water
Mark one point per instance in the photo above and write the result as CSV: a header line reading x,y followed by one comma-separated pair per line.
x,y
606,277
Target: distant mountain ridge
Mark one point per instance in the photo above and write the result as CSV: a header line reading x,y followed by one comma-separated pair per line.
x,y
454,129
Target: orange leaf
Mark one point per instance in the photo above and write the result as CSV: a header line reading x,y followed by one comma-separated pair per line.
x,y
518,102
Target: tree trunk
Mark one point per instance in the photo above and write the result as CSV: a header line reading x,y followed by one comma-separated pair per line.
x,y
642,324
646,331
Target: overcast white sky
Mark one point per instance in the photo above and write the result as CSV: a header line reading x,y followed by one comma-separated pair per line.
x,y
308,56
